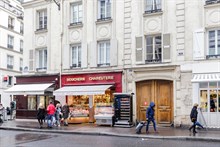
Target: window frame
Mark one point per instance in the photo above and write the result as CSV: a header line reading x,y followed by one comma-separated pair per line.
x,y
10,42
153,5
41,64
11,22
106,53
79,19
216,41
21,64
154,45
21,46
78,60
107,10
42,26
10,62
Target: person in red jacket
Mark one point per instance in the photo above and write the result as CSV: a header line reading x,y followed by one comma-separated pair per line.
x,y
50,114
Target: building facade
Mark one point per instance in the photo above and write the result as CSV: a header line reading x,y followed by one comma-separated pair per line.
x,y
164,55
11,46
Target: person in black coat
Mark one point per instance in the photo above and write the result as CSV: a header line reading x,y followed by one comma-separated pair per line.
x,y
41,115
193,117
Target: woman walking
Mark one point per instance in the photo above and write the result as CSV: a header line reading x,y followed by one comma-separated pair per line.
x,y
41,115
58,114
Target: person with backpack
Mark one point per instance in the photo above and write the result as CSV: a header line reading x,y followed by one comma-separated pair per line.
x,y
150,117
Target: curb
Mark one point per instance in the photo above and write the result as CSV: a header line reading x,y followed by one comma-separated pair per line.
x,y
188,138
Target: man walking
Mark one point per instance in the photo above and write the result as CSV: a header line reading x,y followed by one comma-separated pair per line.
x,y
150,117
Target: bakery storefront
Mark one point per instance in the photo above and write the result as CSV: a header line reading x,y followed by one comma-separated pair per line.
x,y
30,91
90,96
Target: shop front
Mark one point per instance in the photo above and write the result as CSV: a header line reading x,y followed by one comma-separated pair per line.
x,y
30,91
90,96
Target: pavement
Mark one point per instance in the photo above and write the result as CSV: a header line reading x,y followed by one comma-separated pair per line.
x,y
93,129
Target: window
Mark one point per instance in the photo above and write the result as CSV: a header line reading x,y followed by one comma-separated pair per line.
x,y
42,19
32,103
76,56
213,44
10,80
208,2
104,9
21,46
104,53
10,62
22,28
10,42
21,64
153,49
41,59
76,13
153,6
11,23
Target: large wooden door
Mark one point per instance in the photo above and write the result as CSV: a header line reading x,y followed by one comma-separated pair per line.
x,y
160,92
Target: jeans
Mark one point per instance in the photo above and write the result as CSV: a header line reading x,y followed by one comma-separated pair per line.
x,y
154,124
196,123
50,120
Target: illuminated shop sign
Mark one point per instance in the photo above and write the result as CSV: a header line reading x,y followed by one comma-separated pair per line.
x,y
97,78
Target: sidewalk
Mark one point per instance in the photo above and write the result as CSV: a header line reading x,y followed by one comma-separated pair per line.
x,y
92,129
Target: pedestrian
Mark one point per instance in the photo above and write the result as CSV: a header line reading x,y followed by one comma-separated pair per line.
x,y
50,114
41,115
150,117
58,114
66,111
1,113
193,117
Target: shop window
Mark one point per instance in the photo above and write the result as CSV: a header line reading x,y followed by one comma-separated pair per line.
x,y
104,10
152,6
76,13
204,100
213,44
32,103
104,53
212,84
153,49
218,99
213,100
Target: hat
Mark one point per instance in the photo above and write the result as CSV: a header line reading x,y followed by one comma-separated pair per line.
x,y
196,105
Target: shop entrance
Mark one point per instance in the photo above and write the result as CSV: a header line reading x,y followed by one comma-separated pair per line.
x,y
160,92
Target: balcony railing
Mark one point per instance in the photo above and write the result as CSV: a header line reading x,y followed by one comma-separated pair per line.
x,y
152,11
75,23
42,28
153,61
103,64
75,65
9,66
209,2
11,8
213,56
104,18
10,46
41,69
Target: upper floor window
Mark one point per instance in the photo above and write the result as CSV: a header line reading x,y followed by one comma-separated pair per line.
x,y
153,49
42,19
10,42
153,6
213,43
21,28
21,46
104,53
21,64
10,62
104,9
41,56
76,13
76,56
11,23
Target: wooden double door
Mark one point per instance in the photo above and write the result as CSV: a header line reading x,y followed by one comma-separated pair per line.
x,y
161,93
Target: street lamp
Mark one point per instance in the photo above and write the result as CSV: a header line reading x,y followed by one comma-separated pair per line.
x,y
57,2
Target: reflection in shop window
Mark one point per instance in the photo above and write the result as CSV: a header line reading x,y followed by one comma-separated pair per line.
x,y
219,99
204,100
32,103
213,100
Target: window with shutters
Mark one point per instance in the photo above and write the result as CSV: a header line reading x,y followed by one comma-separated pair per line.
x,y
76,13
75,56
213,44
41,19
104,10
41,55
104,53
152,6
10,62
153,49
10,42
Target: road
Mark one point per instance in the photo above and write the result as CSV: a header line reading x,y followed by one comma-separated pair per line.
x,y
32,139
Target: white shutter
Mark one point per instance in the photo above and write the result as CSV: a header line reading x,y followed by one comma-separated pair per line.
x,y
84,55
66,57
198,45
166,48
139,49
93,54
31,60
113,52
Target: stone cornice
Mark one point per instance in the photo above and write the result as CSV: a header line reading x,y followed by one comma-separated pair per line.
x,y
10,50
33,3
10,30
